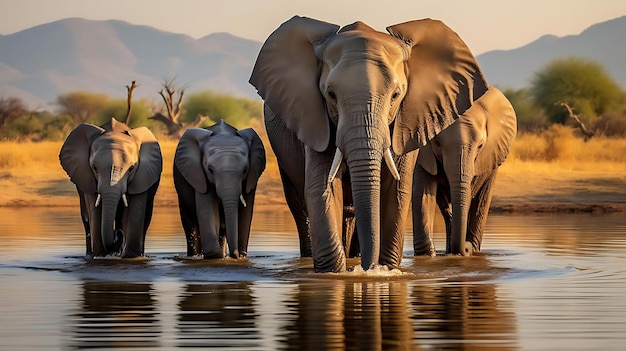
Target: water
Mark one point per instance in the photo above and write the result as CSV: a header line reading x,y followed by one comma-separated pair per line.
x,y
543,282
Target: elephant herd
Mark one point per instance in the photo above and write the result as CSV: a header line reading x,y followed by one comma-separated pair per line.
x,y
365,125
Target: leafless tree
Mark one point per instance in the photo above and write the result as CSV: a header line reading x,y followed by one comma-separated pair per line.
x,y
129,100
173,105
587,134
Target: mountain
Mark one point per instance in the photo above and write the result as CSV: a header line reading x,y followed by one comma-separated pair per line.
x,y
42,62
39,63
603,42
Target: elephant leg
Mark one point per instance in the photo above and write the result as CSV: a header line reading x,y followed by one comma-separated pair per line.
x,y
395,204
207,210
444,201
424,205
84,216
297,207
350,241
479,210
325,208
149,209
95,218
187,210
245,223
133,225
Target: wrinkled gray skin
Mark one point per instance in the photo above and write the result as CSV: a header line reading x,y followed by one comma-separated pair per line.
x,y
456,172
108,164
353,95
216,171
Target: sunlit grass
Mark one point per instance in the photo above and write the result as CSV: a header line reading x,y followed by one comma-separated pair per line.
x,y
30,171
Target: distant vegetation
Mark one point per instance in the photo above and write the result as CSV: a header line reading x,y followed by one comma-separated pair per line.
x,y
19,124
572,92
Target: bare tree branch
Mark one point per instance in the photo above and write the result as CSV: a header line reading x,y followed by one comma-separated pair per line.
x,y
172,120
586,132
129,100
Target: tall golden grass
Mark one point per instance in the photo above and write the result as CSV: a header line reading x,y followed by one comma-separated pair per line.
x,y
555,145
27,167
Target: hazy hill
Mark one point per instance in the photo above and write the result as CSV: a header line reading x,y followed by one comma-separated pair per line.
x,y
604,43
39,63
42,62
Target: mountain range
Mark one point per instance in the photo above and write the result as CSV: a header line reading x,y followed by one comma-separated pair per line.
x,y
42,62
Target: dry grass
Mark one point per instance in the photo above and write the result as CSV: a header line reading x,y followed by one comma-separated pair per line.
x,y
552,169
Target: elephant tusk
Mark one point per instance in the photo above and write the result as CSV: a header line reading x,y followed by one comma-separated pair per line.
x,y
243,202
391,164
125,200
334,168
98,200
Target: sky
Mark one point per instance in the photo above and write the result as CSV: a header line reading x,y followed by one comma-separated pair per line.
x,y
484,25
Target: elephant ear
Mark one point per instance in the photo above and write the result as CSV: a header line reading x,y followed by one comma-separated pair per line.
x,y
115,126
188,157
286,75
426,159
150,160
256,157
443,80
501,125
74,156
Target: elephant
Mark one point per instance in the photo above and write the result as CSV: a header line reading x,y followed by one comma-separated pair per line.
x,y
116,171
345,110
456,171
216,171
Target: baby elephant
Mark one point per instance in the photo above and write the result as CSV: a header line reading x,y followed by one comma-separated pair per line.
x,y
216,171
456,171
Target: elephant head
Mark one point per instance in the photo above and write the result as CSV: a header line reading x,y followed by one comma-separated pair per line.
x,y
111,161
229,161
475,144
363,93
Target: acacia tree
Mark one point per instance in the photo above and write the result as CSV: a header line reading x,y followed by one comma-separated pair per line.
x,y
81,105
582,84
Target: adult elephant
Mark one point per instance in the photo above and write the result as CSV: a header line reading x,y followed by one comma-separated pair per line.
x,y
116,171
456,171
355,93
216,171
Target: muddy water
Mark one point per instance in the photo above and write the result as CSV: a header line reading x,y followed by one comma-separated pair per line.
x,y
543,282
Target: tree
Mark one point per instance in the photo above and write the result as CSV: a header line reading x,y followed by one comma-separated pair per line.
x,y
529,117
582,84
173,105
81,105
235,111
11,108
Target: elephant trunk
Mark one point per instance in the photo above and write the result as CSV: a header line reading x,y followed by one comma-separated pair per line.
x,y
365,176
111,238
229,192
363,148
460,177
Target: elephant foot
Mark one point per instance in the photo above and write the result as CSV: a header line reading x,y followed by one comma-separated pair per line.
x,y
428,251
336,266
213,255
468,249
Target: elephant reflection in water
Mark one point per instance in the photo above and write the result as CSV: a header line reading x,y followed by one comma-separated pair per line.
x,y
343,315
470,315
211,314
116,315
401,315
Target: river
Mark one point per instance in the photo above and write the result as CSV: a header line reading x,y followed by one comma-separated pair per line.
x,y
542,282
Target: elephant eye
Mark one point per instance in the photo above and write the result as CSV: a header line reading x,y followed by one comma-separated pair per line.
x,y
395,95
211,170
332,95
131,168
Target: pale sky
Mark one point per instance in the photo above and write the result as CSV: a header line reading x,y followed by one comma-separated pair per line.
x,y
484,24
